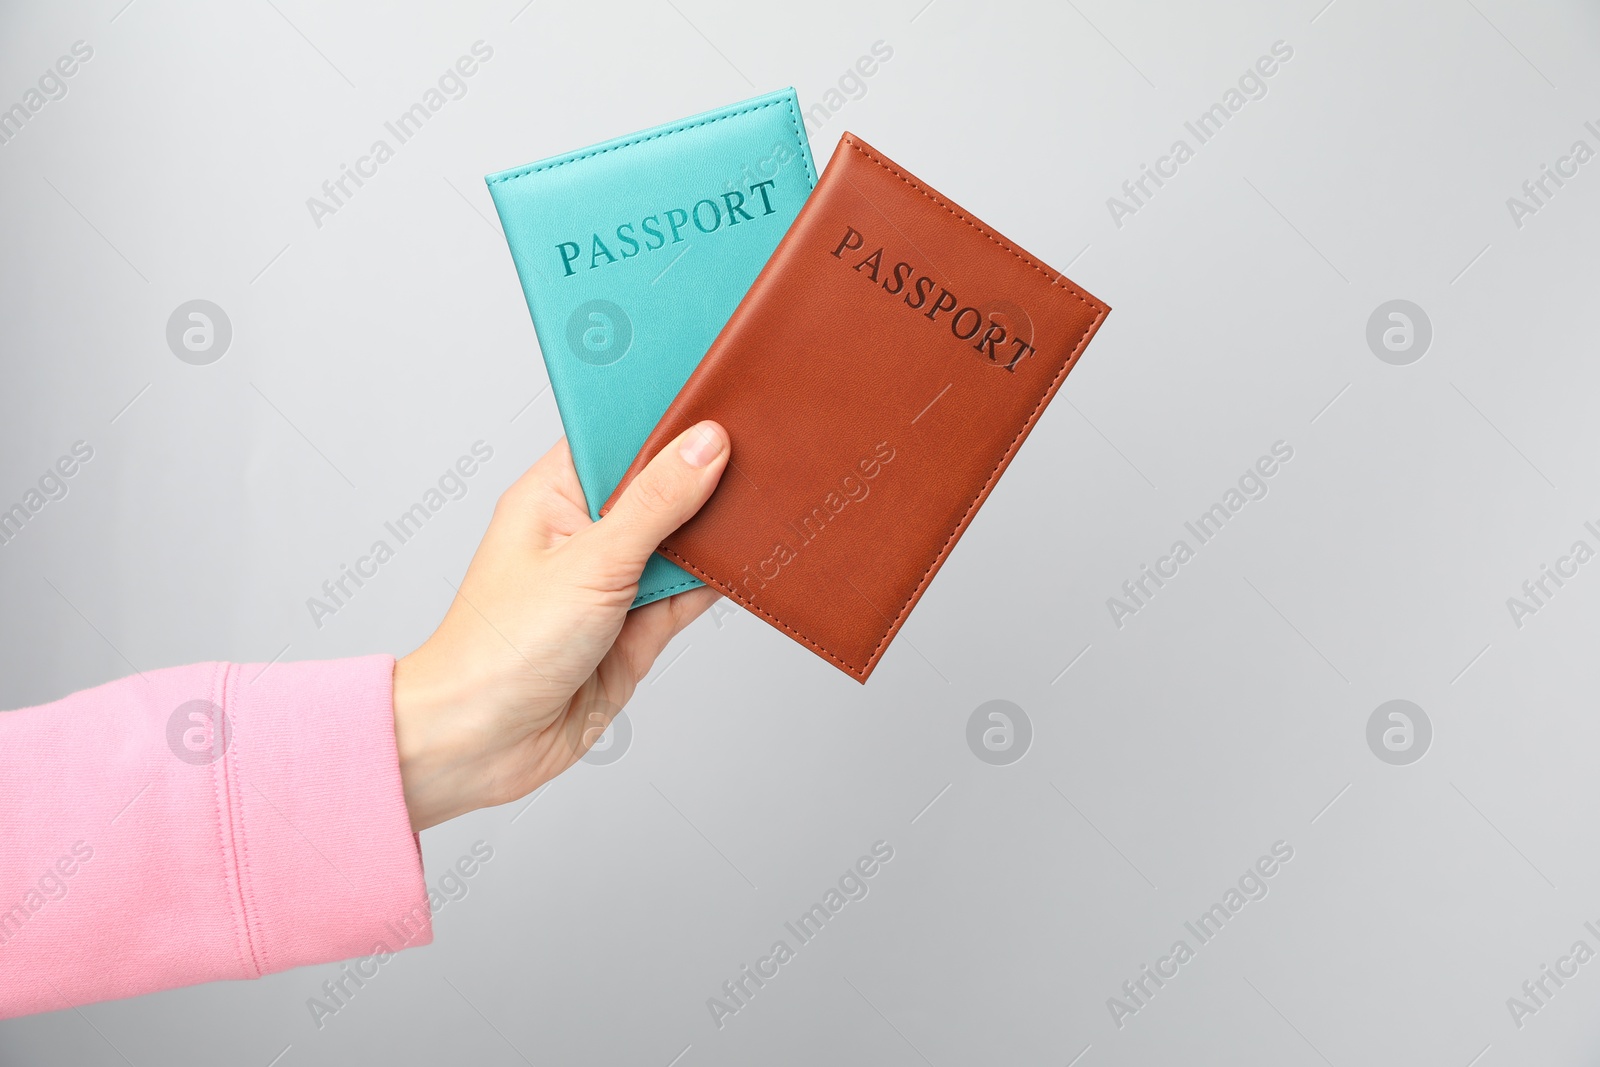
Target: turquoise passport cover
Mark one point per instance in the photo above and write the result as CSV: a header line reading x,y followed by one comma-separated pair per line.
x,y
632,254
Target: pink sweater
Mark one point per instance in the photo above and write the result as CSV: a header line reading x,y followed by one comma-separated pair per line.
x,y
205,822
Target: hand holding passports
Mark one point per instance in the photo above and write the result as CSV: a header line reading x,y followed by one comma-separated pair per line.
x,y
876,379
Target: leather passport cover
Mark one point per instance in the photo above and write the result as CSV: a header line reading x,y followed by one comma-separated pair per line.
x,y
632,254
877,380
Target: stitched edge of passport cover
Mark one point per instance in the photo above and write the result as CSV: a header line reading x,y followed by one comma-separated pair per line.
x,y
862,671
785,96
706,118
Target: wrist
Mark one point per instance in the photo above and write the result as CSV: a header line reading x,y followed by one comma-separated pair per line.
x,y
437,770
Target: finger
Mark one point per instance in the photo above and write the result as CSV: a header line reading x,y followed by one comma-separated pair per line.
x,y
563,474
546,502
553,466
663,497
650,628
589,714
687,607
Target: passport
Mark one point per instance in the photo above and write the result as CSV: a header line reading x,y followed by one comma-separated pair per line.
x,y
632,253
876,381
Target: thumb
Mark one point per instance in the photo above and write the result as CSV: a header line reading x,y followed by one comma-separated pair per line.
x,y
663,496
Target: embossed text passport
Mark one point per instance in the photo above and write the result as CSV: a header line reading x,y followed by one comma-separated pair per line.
x,y
632,254
877,379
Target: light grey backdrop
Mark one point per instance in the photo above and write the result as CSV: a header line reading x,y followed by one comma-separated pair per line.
x,y
1167,755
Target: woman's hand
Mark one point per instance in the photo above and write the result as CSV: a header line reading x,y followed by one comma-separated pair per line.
x,y
538,651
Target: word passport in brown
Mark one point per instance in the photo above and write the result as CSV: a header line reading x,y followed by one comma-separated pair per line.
x,y
876,380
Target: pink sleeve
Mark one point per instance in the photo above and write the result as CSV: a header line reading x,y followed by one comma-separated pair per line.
x,y
198,823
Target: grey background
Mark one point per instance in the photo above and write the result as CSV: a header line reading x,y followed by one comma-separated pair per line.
x,y
1229,714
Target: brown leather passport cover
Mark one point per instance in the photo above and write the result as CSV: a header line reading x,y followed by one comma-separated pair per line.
x,y
876,380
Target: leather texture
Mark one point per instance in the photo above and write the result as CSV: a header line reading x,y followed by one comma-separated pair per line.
x,y
876,381
632,254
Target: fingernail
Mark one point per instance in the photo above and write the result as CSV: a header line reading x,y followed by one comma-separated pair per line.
x,y
702,444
